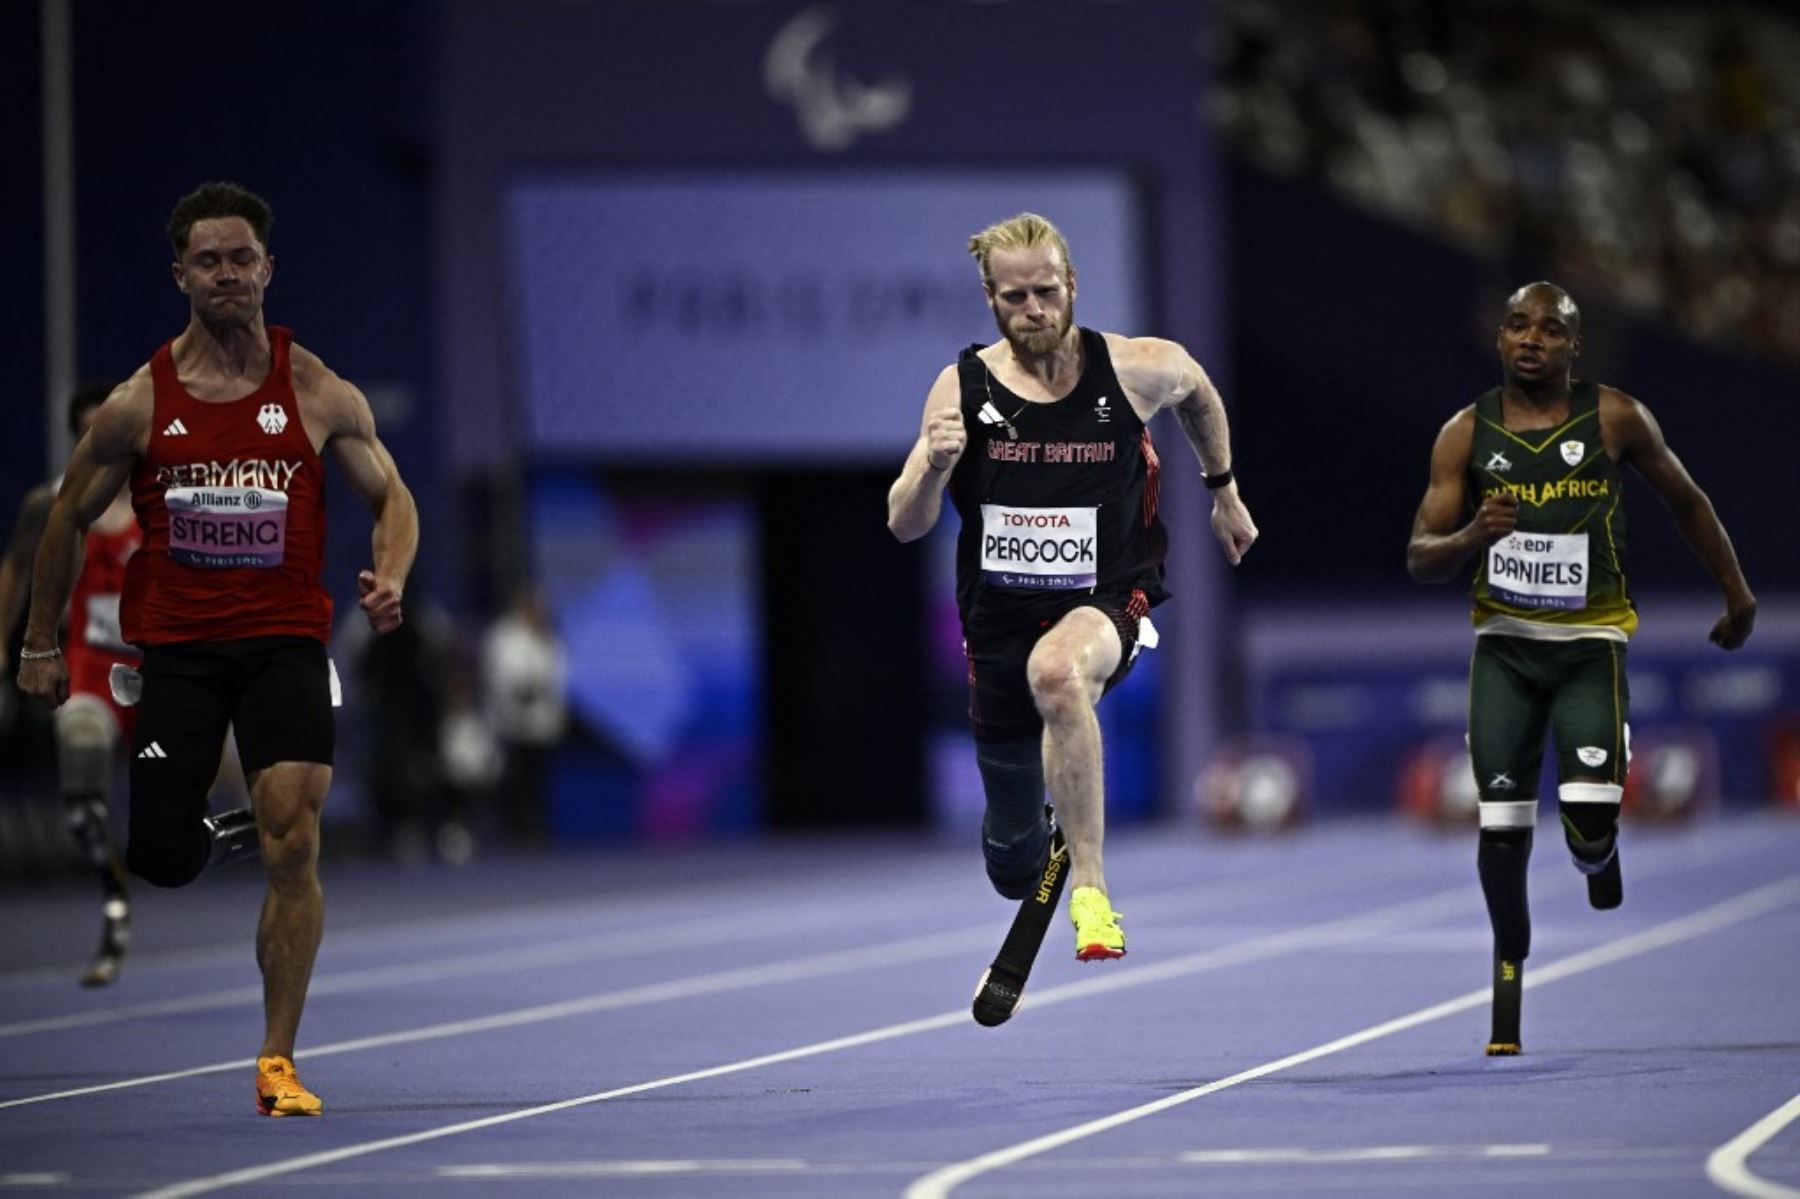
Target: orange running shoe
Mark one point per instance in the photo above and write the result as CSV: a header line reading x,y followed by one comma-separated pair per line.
x,y
279,1092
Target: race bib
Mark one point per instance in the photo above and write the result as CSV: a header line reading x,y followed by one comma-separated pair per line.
x,y
1052,548
101,629
216,527
1539,570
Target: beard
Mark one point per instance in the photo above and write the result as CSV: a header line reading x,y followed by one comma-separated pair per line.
x,y
1038,343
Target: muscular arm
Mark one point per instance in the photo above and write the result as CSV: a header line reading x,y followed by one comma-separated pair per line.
x,y
1438,547
1201,412
371,473
1161,374
99,467
15,567
1639,442
917,496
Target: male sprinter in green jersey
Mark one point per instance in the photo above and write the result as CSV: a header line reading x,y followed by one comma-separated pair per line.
x,y
1537,463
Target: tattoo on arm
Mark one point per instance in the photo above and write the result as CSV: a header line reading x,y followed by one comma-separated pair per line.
x,y
1200,421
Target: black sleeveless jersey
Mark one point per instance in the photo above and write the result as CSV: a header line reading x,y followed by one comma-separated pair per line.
x,y
1057,500
1562,572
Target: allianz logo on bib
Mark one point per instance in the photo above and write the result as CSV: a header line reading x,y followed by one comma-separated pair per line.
x,y
272,418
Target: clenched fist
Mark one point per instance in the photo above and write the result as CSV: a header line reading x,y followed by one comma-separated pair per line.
x,y
1496,518
945,439
380,601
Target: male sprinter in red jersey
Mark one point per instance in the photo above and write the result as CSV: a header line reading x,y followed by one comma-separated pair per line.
x,y
221,436
1041,440
89,726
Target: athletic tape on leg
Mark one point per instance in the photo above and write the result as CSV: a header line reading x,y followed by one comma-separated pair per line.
x,y
1509,813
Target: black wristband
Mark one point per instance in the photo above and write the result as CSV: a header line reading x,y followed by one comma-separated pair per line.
x,y
1222,479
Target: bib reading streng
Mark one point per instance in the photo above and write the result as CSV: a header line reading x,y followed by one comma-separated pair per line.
x,y
217,527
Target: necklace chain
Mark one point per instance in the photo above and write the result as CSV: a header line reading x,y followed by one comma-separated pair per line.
x,y
987,381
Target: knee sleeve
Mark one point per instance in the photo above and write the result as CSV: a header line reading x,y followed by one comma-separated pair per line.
x,y
1504,854
169,843
85,740
1015,830
1590,817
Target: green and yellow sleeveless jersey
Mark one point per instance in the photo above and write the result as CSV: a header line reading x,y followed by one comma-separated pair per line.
x,y
1561,573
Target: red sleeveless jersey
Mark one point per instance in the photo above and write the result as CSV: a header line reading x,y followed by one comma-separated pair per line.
x,y
231,499
94,604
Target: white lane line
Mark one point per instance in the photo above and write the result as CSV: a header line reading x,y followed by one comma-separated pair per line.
x,y
219,1182
939,1183
797,969
892,953
692,934
33,1180
688,934
1728,842
471,926
1728,1169
1264,947
1374,1153
627,1169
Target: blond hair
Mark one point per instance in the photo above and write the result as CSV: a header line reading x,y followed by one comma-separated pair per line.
x,y
1027,231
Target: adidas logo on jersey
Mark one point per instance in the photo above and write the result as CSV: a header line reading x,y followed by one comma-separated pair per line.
x,y
175,429
1498,462
152,750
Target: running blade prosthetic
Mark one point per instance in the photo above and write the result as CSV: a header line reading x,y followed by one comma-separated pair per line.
x,y
1509,986
1001,988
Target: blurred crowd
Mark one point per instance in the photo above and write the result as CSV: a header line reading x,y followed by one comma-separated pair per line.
x,y
455,735
1649,154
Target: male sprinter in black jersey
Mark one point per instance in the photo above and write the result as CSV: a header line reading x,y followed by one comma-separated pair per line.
x,y
1040,438
1537,463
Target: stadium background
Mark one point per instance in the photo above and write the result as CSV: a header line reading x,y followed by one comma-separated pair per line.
x,y
647,295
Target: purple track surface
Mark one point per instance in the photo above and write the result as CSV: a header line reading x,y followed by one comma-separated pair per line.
x,y
792,1020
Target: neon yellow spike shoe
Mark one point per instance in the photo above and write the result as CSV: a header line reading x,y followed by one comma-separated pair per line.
x,y
1097,932
279,1091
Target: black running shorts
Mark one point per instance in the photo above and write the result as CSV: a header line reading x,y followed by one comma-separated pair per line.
x,y
274,692
1000,703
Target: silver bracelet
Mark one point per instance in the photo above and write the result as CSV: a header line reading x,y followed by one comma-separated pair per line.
x,y
39,655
